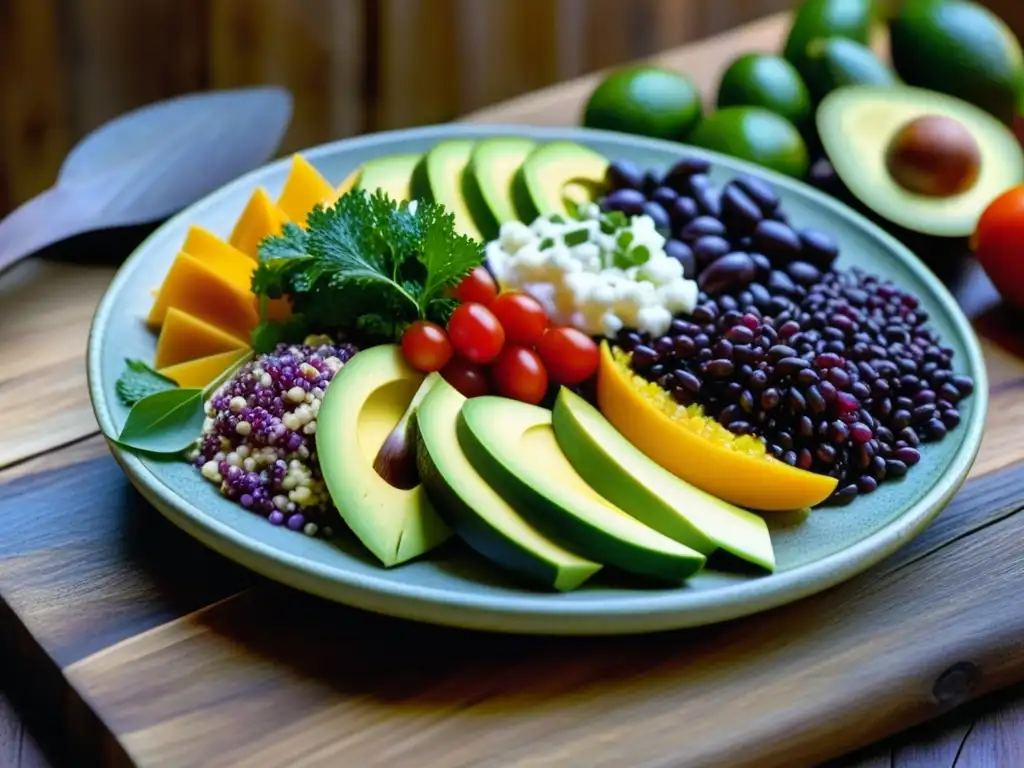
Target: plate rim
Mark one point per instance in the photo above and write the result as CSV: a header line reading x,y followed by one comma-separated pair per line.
x,y
528,614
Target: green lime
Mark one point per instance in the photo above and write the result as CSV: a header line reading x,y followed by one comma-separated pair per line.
x,y
756,135
649,101
769,81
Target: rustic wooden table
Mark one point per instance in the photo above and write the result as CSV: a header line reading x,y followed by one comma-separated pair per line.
x,y
123,641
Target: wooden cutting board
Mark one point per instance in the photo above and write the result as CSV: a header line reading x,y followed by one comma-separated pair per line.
x,y
140,646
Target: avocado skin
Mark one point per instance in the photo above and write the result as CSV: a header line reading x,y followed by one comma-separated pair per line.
x,y
851,19
756,135
833,62
959,48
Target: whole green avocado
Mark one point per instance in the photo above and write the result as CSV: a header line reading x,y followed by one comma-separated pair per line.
x,y
851,19
960,48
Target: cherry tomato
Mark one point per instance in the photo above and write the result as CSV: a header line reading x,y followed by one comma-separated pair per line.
x,y
522,317
998,244
569,355
469,378
477,286
476,333
519,373
426,346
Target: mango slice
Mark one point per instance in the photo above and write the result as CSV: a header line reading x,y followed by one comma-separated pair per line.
x,y
185,337
698,449
223,258
261,217
193,287
304,188
201,371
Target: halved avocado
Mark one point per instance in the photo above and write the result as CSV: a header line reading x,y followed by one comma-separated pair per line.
x,y
555,173
393,174
620,472
857,125
482,518
512,445
365,401
492,168
439,177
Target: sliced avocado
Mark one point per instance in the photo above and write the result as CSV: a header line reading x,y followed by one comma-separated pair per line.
x,y
959,48
857,125
833,62
621,473
393,174
555,173
439,177
484,520
493,165
364,403
512,445
851,19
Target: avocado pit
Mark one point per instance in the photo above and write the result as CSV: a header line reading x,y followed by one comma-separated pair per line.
x,y
934,155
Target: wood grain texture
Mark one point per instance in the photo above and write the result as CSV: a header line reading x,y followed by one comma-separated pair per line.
x,y
250,670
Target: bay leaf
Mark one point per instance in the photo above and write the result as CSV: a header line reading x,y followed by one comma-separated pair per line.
x,y
165,422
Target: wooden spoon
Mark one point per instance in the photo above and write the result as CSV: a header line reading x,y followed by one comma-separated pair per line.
x,y
149,163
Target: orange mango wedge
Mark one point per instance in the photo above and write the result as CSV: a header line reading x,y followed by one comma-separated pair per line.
x,y
698,449
304,188
201,371
220,256
259,218
185,337
193,287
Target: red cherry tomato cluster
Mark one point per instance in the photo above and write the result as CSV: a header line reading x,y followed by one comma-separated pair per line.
x,y
500,344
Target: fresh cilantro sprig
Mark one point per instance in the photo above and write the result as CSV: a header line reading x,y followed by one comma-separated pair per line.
x,y
367,264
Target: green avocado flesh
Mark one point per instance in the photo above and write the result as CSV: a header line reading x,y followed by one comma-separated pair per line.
x,y
493,165
364,403
621,473
512,445
439,177
482,518
392,174
554,173
856,125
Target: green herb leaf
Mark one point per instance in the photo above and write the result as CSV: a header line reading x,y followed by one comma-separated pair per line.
x,y
139,381
576,237
546,244
632,257
613,221
624,239
556,218
165,422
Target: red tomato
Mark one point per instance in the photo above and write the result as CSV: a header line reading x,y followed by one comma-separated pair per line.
x,y
569,355
477,286
426,346
469,378
999,244
476,333
518,373
522,317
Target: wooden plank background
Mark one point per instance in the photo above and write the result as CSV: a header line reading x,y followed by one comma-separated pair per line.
x,y
354,66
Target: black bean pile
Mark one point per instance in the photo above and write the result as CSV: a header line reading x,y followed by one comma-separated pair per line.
x,y
835,370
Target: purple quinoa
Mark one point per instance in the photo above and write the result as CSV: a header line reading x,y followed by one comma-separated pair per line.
x,y
259,440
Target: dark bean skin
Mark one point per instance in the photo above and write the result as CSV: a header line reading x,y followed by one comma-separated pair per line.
x,y
803,273
739,212
664,196
760,191
628,201
819,248
651,182
790,365
698,182
688,381
644,356
658,214
624,174
682,211
729,272
780,282
708,248
895,468
700,226
709,201
777,240
720,368
763,264
682,253
843,496
678,176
